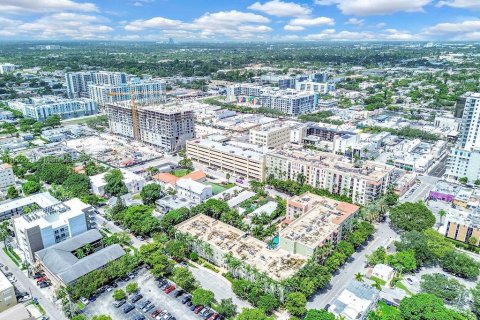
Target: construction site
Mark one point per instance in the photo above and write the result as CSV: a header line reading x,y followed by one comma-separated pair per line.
x,y
277,263
165,127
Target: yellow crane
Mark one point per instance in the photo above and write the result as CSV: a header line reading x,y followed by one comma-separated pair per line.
x,y
134,107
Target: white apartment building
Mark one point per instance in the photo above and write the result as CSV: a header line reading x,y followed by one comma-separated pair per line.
x,y
270,137
12,207
246,162
145,92
332,172
7,68
464,160
45,227
77,82
133,182
317,87
288,101
7,293
40,108
7,178
195,191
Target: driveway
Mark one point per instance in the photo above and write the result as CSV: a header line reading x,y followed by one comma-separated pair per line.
x,y
149,290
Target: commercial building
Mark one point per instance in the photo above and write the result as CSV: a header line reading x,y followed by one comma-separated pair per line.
x,y
280,81
289,101
270,136
133,182
224,239
145,91
7,68
164,126
247,162
355,301
462,225
464,160
7,293
363,182
315,221
40,108
64,267
78,82
42,228
7,178
12,207
317,87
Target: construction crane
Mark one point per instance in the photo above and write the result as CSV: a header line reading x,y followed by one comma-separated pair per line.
x,y
134,107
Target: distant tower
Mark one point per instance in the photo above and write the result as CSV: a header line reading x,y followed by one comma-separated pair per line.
x,y
170,41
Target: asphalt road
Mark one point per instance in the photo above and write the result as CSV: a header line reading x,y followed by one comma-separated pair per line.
x,y
420,191
439,169
384,235
49,307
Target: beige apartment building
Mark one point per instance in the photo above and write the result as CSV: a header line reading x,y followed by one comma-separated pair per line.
x,y
7,293
364,183
270,137
245,162
314,221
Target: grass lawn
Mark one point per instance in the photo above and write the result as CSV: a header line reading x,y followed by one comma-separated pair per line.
x,y
400,285
180,172
216,188
378,280
13,256
386,311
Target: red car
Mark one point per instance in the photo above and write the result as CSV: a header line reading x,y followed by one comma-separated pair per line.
x,y
42,279
214,316
170,289
198,309
155,313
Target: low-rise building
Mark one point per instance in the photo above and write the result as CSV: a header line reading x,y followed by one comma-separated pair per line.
x,y
133,182
12,207
195,191
223,240
42,228
444,191
462,225
64,267
355,301
173,202
7,293
382,272
7,178
314,221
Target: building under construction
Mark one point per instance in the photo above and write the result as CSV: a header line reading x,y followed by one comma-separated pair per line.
x,y
166,126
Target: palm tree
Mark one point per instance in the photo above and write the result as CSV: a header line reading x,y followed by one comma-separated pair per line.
x,y
359,276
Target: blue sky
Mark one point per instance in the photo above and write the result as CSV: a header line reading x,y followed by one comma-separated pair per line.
x,y
240,20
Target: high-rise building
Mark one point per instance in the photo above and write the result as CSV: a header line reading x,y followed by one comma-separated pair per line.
x,y
40,108
6,175
42,228
77,82
164,126
7,68
145,92
464,160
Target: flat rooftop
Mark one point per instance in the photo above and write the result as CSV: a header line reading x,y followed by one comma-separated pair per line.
x,y
228,149
312,228
278,264
43,200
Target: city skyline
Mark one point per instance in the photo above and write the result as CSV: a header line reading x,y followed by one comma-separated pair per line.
x,y
273,20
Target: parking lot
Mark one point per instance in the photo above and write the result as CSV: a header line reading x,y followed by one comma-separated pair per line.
x,y
150,291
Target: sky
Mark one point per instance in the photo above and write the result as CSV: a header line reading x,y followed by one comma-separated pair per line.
x,y
240,20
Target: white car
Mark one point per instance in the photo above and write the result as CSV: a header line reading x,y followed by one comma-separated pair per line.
x,y
84,300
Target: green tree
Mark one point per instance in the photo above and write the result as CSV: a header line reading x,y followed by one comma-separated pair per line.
x,y
78,184
115,185
101,317
253,314
403,261
378,256
186,163
227,308
151,193
176,249
184,278
313,314
445,288
463,180
52,121
426,306
296,303
202,297
132,287
461,265
476,299
410,216
12,192
119,294
30,187
268,303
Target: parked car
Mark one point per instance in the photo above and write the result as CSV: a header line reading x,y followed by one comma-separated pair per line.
x,y
44,284
213,316
42,279
108,288
155,313
169,289
193,307
38,275
149,308
119,303
178,293
189,303
93,298
127,308
198,309
84,300
162,283
135,298
186,299
138,317
131,276
143,304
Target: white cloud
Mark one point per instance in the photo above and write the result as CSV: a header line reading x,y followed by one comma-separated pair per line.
x,y
309,22
355,21
157,22
376,7
381,25
281,9
467,4
394,34
452,28
45,6
293,28
58,26
331,34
